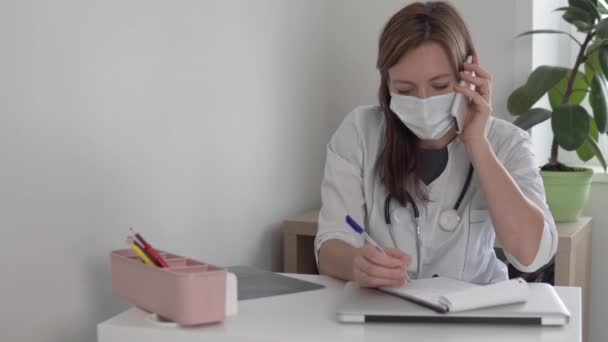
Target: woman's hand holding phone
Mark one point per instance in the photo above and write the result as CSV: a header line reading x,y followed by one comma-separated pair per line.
x,y
480,105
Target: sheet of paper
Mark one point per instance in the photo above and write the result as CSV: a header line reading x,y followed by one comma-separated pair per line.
x,y
430,289
456,295
505,292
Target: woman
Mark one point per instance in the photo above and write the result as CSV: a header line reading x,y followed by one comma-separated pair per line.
x,y
402,165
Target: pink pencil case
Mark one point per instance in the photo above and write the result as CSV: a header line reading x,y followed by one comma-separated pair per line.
x,y
188,292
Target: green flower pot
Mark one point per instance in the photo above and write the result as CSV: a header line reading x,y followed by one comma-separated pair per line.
x,y
567,192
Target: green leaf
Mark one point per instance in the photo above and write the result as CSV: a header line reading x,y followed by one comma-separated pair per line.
x,y
597,99
582,26
592,58
592,62
531,118
551,32
556,94
539,82
579,18
602,29
603,59
589,73
587,6
596,150
570,125
576,13
520,100
585,152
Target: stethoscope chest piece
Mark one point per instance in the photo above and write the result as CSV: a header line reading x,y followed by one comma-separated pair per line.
x,y
448,220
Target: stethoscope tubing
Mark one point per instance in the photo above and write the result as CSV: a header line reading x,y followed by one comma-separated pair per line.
x,y
416,217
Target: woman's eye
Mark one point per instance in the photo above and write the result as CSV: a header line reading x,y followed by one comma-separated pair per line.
x,y
441,87
404,92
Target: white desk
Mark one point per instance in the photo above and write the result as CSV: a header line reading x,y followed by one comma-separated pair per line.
x,y
310,316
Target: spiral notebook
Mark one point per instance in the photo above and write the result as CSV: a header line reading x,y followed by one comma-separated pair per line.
x,y
451,295
441,300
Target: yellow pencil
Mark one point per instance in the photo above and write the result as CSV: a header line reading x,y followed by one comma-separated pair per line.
x,y
140,253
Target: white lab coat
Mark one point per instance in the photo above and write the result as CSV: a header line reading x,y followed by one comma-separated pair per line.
x,y
351,185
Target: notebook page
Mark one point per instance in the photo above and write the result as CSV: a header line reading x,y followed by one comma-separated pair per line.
x,y
431,289
505,292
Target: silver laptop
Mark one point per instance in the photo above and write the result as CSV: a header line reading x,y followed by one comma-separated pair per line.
x,y
359,305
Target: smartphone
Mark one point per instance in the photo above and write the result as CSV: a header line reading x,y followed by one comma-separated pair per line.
x,y
460,106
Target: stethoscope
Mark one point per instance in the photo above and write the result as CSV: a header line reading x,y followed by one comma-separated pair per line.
x,y
448,219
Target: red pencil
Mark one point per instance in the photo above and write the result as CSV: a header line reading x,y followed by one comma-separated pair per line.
x,y
151,251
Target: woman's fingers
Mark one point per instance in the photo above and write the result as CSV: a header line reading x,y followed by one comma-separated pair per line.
x,y
475,96
482,85
475,58
367,280
383,259
397,253
379,271
477,81
480,105
478,69
373,268
482,79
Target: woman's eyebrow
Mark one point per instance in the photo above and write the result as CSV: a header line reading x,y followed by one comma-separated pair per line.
x,y
434,78
440,76
402,81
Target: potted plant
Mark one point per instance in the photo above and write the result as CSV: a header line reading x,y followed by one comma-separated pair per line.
x,y
574,128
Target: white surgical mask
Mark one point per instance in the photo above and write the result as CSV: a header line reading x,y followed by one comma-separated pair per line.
x,y
428,118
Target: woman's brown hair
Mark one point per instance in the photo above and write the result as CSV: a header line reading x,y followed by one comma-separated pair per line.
x,y
415,24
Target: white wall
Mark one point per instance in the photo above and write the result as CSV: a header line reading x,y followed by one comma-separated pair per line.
x,y
202,123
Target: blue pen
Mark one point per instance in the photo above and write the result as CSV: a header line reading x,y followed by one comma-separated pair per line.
x,y
356,227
